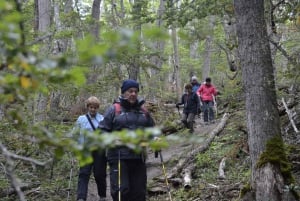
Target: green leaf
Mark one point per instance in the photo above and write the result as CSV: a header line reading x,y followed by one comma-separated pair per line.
x,y
78,76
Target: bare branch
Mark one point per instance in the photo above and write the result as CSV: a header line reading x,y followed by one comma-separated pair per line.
x,y
9,169
37,40
290,115
284,53
15,156
10,173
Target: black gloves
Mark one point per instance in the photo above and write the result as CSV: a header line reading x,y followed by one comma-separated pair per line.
x,y
177,105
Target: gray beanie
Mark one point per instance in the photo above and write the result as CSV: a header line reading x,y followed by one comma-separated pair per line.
x,y
194,78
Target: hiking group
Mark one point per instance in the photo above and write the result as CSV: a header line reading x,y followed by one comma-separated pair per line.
x,y
198,98
128,175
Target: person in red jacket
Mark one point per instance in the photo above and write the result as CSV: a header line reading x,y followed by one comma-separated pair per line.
x,y
207,92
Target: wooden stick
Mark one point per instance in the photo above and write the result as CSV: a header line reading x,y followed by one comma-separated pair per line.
x,y
290,116
187,177
221,168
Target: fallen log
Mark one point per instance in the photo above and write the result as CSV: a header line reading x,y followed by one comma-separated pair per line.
x,y
170,105
185,166
186,159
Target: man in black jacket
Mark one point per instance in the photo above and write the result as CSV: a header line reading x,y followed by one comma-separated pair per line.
x,y
129,114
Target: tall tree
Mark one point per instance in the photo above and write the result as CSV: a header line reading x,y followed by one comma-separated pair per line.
x,y
208,49
159,46
42,25
268,175
176,79
134,68
230,48
95,29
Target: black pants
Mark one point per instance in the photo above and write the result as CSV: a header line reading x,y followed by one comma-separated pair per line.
x,y
132,182
99,168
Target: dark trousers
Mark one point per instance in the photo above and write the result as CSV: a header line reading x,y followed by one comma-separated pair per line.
x,y
99,169
208,112
133,180
188,120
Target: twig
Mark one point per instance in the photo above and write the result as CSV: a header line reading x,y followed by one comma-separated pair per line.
x,y
15,156
213,186
9,168
10,173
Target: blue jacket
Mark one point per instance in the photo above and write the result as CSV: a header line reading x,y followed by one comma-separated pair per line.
x,y
195,86
83,125
131,117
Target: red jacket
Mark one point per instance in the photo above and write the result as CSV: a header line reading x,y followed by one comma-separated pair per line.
x,y
206,92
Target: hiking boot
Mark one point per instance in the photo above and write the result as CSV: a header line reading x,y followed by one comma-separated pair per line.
x,y
102,199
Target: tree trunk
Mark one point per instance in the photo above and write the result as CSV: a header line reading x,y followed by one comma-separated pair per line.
x,y
271,30
206,58
43,22
95,29
177,78
263,120
194,49
134,68
159,46
42,17
230,47
208,50
194,54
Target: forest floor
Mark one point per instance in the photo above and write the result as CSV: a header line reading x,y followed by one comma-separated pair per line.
x,y
154,166
229,144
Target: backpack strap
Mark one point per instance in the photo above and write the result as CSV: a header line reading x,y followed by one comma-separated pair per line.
x,y
89,119
118,109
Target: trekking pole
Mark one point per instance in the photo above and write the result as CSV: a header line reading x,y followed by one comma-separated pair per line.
x,y
70,177
119,176
165,175
215,105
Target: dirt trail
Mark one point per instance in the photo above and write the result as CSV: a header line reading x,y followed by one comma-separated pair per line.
x,y
154,168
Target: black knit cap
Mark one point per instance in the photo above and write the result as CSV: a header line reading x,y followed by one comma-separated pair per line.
x,y
208,79
127,84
